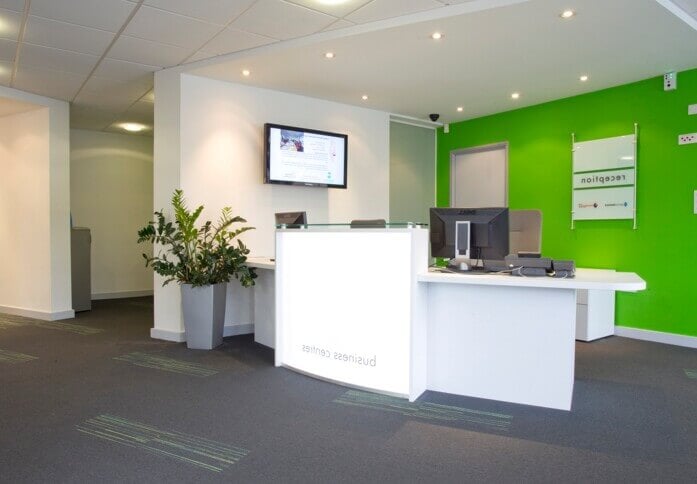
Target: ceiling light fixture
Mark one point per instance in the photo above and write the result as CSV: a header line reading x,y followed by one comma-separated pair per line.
x,y
567,14
436,36
515,95
133,127
583,78
331,2
329,55
364,97
245,72
460,109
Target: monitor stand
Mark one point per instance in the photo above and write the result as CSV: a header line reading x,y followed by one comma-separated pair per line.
x,y
461,264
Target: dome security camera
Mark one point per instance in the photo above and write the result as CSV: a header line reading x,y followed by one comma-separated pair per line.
x,y
434,117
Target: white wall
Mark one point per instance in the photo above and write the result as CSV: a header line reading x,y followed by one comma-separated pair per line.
x,y
34,209
222,156
111,192
24,216
219,128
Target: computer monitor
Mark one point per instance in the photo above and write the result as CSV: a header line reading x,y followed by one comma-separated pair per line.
x,y
486,229
291,219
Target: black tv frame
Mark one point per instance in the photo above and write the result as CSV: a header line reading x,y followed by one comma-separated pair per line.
x,y
267,156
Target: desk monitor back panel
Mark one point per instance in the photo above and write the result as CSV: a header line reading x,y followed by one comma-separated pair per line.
x,y
291,219
488,232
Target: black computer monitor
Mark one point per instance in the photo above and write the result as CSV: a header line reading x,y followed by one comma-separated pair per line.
x,y
488,232
291,219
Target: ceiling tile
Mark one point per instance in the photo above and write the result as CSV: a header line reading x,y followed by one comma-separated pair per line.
x,y
142,51
140,112
382,9
339,9
37,56
99,14
10,23
5,73
16,5
160,26
7,50
148,133
149,96
219,12
200,55
133,90
339,24
62,35
48,82
281,20
111,102
233,40
86,117
125,71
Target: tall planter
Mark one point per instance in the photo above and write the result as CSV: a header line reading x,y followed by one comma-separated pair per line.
x,y
203,308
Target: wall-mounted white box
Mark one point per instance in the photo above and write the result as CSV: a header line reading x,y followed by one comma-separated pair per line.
x,y
695,207
692,109
687,139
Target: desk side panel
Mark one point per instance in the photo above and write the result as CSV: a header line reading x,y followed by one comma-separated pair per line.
x,y
343,306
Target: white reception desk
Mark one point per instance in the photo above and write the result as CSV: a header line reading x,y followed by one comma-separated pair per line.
x,y
359,307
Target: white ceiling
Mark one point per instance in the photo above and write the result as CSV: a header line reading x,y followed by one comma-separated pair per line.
x,y
482,58
101,54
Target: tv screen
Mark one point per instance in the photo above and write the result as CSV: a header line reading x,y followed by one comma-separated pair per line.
x,y
308,157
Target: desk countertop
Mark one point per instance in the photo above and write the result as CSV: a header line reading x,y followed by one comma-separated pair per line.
x,y
261,262
585,279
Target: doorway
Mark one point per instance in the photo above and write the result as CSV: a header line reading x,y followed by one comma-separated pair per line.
x,y
479,176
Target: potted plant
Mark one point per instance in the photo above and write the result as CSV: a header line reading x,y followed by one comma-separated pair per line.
x,y
203,260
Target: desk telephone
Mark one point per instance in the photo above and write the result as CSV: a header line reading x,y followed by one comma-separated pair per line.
x,y
531,264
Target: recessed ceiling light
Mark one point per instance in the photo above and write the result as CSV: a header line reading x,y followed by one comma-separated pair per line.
x,y
329,55
364,97
245,72
460,109
515,95
436,36
583,78
567,14
133,127
331,2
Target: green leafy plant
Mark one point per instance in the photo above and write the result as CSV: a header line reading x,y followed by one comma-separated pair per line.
x,y
198,256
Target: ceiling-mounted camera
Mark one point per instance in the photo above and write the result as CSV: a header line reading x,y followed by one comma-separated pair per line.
x,y
434,117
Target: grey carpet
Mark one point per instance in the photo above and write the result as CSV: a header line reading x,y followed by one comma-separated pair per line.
x,y
109,404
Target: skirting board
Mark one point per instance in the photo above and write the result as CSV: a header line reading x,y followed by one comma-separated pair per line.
x,y
657,336
167,335
121,294
43,315
180,337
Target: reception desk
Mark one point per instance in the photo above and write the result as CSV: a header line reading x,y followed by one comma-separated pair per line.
x,y
361,308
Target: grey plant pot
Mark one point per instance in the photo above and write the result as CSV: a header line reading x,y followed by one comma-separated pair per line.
x,y
204,315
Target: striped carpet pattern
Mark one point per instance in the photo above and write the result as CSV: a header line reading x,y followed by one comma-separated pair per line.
x,y
166,364
11,357
197,451
10,321
425,410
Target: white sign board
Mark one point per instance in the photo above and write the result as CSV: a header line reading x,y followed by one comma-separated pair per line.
x,y
604,179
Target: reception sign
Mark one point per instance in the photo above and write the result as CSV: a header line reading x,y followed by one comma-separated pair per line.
x,y
604,179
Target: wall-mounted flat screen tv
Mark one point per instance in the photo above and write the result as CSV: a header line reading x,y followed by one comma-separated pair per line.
x,y
307,157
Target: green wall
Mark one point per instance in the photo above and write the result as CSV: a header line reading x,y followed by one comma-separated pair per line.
x,y
663,249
